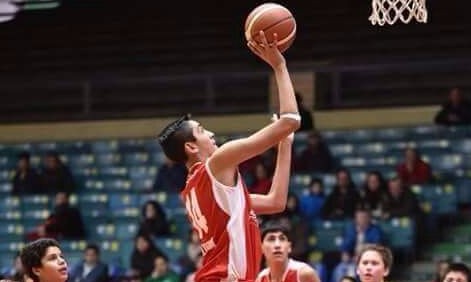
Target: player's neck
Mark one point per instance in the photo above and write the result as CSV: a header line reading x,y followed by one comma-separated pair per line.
x,y
277,270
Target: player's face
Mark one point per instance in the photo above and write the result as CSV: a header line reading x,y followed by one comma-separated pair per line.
x,y
371,267
276,246
205,143
53,266
455,276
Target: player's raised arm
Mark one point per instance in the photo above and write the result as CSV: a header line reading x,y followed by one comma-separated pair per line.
x,y
226,159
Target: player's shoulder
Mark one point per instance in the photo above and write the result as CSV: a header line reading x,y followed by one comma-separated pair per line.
x,y
305,272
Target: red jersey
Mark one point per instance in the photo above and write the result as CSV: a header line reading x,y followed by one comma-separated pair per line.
x,y
291,273
227,227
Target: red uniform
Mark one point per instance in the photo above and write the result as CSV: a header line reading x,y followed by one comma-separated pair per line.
x,y
291,273
227,227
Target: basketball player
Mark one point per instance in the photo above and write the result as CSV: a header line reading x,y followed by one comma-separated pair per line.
x,y
217,203
276,248
457,272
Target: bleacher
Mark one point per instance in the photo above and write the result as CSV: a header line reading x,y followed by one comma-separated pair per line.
x,y
115,178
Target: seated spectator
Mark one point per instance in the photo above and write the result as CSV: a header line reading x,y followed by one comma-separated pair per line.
x,y
346,268
262,180
154,221
56,176
66,220
457,111
310,204
413,170
91,269
315,157
457,272
143,256
193,249
191,277
440,269
372,193
362,231
162,272
17,272
399,201
170,177
307,122
343,200
26,179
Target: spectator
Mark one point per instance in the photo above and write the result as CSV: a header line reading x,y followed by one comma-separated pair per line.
x,y
26,179
399,201
17,272
66,220
91,269
262,180
143,256
161,272
154,222
414,170
362,231
193,249
310,205
346,268
315,157
343,200
56,176
440,270
307,122
191,277
171,177
457,111
373,192
457,272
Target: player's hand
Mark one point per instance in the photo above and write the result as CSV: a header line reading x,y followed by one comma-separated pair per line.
x,y
267,51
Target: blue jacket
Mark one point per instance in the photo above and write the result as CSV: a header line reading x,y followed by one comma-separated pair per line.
x,y
373,235
98,274
311,205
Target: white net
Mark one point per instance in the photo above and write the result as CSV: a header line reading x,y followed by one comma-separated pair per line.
x,y
389,11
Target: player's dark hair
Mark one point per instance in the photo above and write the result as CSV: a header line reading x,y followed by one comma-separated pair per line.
x,y
173,138
32,254
458,267
94,247
271,227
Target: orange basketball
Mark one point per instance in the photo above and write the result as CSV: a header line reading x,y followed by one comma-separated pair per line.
x,y
271,18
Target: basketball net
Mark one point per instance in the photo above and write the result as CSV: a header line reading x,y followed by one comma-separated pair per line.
x,y
390,11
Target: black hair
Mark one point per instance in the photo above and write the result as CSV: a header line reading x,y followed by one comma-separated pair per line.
x,y
94,247
32,254
24,156
349,278
274,226
173,137
458,267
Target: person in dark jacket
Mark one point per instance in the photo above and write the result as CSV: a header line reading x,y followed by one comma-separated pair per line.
x,y
91,269
26,179
457,111
154,220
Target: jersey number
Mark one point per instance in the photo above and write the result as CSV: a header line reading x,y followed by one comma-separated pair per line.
x,y
194,212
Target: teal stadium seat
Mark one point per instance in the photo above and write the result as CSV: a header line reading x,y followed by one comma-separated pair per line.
x,y
391,134
126,231
94,204
463,190
9,203
328,235
119,201
142,184
35,202
400,232
107,159
113,171
104,146
174,248
136,159
374,148
139,172
6,175
11,232
80,161
340,150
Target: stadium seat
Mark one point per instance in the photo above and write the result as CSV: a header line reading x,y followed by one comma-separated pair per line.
x,y
104,146
11,232
107,159
6,175
105,231
126,231
463,190
142,184
136,159
113,171
370,149
339,150
119,201
328,235
138,172
93,204
80,160
9,203
400,232
35,202
7,162
174,248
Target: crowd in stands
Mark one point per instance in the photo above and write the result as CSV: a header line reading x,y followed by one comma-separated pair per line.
x,y
361,205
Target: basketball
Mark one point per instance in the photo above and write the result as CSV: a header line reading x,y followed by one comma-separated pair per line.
x,y
271,18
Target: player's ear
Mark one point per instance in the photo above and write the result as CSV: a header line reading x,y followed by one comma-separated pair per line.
x,y
191,148
386,272
289,247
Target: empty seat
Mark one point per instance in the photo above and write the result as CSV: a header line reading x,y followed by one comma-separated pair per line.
x,y
328,235
104,146
9,203
136,159
108,159
35,202
400,232
119,201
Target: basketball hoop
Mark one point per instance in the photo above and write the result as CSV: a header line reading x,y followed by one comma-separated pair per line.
x,y
389,11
